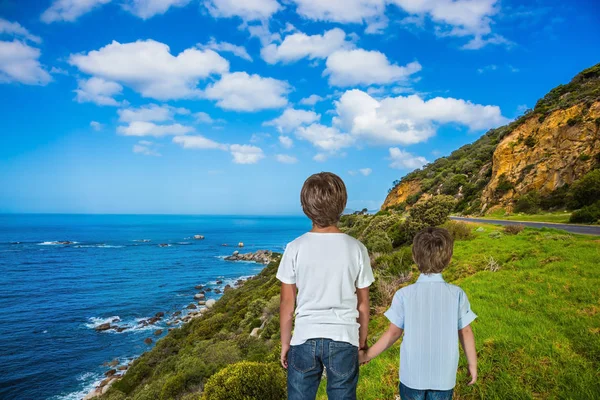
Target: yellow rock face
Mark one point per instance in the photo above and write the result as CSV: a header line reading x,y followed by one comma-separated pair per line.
x,y
400,193
543,156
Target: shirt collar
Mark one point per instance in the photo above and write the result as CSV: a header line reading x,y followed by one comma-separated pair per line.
x,y
428,278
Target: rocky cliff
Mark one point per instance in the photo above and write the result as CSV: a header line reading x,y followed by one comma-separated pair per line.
x,y
549,147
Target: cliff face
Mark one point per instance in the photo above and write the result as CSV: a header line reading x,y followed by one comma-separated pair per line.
x,y
400,193
553,145
543,156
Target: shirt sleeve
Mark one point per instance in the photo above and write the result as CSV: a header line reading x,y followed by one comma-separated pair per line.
x,y
286,272
365,274
396,311
465,314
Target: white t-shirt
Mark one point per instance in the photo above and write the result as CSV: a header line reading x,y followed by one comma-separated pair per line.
x,y
327,268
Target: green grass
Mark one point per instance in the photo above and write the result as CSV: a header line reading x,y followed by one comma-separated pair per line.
x,y
538,331
557,217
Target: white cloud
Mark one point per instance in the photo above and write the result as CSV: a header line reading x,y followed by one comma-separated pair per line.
x,y
491,67
150,112
408,119
20,63
362,67
479,42
198,142
145,128
320,157
97,126
203,118
246,154
286,142
292,119
324,137
299,45
146,148
149,68
248,10
401,159
70,10
242,92
148,8
17,30
311,100
98,91
239,51
365,171
286,159
58,71
344,11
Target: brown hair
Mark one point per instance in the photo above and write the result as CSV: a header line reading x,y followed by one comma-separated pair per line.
x,y
432,250
323,198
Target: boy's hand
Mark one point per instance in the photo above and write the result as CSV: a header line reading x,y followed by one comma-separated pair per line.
x,y
473,373
285,349
362,357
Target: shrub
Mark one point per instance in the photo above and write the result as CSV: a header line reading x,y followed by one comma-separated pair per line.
x,y
433,212
528,204
397,263
247,381
587,215
378,242
459,230
586,190
504,185
412,199
513,229
559,198
530,141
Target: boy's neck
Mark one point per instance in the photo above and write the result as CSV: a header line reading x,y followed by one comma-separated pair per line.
x,y
325,229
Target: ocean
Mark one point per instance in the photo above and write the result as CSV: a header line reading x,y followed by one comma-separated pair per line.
x,y
110,268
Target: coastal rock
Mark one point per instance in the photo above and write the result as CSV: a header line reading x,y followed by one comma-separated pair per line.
x,y
176,313
227,287
218,291
110,372
199,296
198,237
241,244
261,256
148,341
239,282
103,327
112,363
163,245
122,368
235,253
120,329
191,307
198,287
208,289
219,282
158,332
210,303
160,314
201,302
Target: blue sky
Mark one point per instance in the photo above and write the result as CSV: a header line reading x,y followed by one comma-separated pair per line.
x,y
225,107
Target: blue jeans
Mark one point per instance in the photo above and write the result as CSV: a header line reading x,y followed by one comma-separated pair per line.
x,y
305,368
407,393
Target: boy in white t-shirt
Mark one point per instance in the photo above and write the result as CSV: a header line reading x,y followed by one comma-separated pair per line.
x,y
330,273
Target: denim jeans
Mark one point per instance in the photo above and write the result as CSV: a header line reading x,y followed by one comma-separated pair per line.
x,y
407,393
305,368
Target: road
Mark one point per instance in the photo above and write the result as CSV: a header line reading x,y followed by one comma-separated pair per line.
x,y
581,229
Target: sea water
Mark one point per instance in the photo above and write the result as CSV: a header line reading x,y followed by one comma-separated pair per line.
x,y
122,268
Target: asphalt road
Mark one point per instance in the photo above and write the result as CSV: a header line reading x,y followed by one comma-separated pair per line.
x,y
581,229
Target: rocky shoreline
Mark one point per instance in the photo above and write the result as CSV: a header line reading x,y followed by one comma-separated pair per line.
x,y
194,310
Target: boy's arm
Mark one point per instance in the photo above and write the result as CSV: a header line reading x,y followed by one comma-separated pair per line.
x,y
467,341
363,316
386,341
286,318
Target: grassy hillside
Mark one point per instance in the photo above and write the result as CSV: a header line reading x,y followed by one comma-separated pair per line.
x,y
467,172
537,294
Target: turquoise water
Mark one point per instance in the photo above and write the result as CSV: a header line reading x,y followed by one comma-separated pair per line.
x,y
54,295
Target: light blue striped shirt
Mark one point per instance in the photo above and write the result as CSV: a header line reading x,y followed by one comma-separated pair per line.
x,y
431,312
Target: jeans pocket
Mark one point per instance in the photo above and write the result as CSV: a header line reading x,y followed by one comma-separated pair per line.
x,y
303,357
343,358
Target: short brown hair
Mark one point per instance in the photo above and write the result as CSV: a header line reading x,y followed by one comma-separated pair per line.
x,y
323,198
432,250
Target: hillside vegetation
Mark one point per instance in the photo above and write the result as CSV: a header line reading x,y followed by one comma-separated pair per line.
x,y
526,166
536,293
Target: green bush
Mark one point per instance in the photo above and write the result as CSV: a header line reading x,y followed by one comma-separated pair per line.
x,y
433,212
398,263
587,215
528,203
586,190
459,230
247,381
504,185
378,242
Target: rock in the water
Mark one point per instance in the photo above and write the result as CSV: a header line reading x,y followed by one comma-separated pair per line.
x,y
191,307
201,303
235,253
103,327
219,282
158,332
210,303
122,367
121,329
241,244
208,289
198,287
218,291
148,341
160,314
198,237
227,287
110,372
199,296
255,332
176,313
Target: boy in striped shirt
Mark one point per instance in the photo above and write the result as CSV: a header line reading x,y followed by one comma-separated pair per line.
x,y
434,316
